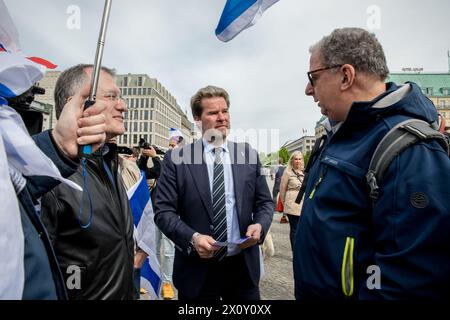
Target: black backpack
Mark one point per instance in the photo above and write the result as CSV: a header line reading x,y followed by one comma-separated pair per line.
x,y
397,139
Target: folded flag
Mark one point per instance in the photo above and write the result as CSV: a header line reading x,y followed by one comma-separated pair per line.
x,y
239,15
145,235
174,133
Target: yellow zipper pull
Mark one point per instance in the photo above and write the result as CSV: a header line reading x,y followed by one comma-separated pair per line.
x,y
311,195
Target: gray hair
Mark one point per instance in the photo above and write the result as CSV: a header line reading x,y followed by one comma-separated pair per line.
x,y
354,46
207,92
70,82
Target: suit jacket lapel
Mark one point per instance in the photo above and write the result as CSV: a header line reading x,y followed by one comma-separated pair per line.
x,y
238,180
199,173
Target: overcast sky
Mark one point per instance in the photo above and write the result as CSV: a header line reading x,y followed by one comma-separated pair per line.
x,y
263,68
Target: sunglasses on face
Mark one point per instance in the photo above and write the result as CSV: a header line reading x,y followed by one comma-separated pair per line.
x,y
309,73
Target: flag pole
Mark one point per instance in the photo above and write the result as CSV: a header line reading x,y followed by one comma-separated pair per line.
x,y
87,149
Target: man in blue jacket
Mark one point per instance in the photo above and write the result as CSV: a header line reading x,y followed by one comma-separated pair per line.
x,y
345,248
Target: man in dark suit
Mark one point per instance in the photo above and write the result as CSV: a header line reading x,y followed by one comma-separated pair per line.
x,y
277,182
212,193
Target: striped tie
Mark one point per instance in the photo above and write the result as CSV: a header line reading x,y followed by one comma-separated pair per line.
x,y
219,212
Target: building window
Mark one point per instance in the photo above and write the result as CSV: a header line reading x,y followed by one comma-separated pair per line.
x,y
125,81
135,127
129,91
137,103
442,103
139,81
139,92
146,103
145,127
136,115
131,103
152,104
125,115
134,91
429,91
135,138
125,139
151,126
146,115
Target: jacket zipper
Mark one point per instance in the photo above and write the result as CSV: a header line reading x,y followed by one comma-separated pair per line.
x,y
316,185
347,267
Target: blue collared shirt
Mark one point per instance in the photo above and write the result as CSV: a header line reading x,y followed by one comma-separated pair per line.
x,y
233,233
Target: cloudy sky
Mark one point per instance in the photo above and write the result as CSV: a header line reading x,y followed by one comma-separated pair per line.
x,y
263,68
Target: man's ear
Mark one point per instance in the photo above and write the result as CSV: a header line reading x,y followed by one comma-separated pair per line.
x,y
348,76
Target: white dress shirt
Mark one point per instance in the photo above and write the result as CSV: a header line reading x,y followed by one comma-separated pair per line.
x,y
233,233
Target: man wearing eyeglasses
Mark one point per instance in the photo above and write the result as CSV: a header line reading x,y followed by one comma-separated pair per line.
x,y
92,231
348,247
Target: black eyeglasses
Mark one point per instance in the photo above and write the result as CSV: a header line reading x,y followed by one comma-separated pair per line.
x,y
309,73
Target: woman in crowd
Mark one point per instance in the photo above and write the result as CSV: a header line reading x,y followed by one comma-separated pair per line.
x,y
291,182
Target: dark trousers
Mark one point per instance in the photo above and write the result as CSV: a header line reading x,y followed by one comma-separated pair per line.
x,y
293,222
227,279
275,195
137,281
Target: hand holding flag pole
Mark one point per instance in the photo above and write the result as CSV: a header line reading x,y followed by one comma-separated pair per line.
x,y
87,149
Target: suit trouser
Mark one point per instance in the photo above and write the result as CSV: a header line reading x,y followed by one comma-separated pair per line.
x,y
227,279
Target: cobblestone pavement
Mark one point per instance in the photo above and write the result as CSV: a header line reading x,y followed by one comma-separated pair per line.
x,y
278,281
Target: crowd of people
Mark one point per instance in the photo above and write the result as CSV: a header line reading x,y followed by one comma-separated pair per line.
x,y
212,205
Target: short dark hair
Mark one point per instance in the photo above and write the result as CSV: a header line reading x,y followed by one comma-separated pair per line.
x,y
207,92
70,81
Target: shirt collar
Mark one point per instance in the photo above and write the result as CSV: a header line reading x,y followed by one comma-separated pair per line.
x,y
209,147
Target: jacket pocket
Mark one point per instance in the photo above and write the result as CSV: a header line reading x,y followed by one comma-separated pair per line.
x,y
347,278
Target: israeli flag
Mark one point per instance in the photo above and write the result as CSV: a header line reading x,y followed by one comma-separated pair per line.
x,y
144,233
239,15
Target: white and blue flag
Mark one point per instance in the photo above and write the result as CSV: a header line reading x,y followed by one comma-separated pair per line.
x,y
239,15
144,233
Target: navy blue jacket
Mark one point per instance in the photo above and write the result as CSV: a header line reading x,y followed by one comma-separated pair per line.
x,y
43,279
341,240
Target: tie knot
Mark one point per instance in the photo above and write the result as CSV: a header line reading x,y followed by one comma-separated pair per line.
x,y
217,154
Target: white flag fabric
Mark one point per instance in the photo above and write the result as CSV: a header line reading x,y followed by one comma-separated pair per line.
x,y
12,274
173,132
145,235
18,153
239,15
17,72
22,152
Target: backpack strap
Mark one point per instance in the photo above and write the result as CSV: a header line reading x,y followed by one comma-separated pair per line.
x,y
318,145
400,137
